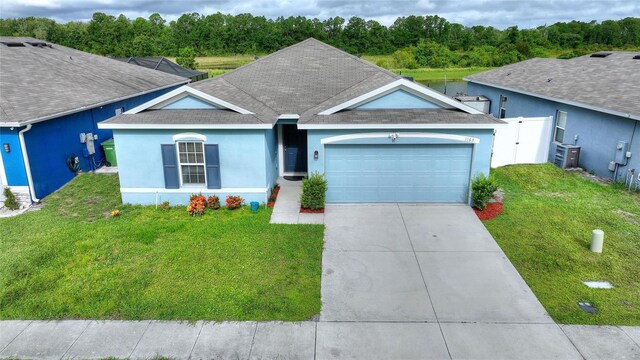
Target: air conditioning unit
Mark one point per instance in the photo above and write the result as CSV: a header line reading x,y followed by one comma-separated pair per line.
x,y
567,156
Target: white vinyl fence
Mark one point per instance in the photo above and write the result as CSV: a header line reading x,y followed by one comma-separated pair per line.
x,y
522,141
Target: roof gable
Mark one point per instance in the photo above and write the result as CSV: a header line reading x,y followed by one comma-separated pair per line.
x,y
399,99
417,90
183,92
186,102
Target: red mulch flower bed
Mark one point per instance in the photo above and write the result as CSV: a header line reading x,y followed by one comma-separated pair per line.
x,y
491,211
311,211
273,197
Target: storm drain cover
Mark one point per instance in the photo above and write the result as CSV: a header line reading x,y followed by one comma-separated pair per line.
x,y
587,307
598,284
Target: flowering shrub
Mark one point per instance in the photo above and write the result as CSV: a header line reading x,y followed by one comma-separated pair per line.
x,y
165,205
115,213
234,202
213,202
197,205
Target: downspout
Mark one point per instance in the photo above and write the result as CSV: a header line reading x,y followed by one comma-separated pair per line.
x,y
27,167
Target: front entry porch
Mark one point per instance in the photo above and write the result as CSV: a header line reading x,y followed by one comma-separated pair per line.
x,y
292,150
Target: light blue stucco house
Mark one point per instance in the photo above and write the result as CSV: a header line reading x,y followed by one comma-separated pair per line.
x,y
307,108
51,99
594,100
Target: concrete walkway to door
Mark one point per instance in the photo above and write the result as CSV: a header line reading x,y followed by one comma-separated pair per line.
x,y
287,207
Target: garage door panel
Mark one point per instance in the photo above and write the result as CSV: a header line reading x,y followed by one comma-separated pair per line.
x,y
398,173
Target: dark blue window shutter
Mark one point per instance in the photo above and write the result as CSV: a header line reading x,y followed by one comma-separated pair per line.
x,y
212,159
170,164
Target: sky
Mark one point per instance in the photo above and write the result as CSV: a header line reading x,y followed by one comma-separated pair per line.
x,y
497,13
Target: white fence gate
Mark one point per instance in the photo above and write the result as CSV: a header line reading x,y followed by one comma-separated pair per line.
x,y
522,141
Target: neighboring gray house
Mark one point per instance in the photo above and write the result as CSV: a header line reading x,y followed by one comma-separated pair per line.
x,y
165,65
594,99
310,107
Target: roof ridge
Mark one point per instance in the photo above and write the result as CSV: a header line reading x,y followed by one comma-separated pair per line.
x,y
249,95
279,51
365,62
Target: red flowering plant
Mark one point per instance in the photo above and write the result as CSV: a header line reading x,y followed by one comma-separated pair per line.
x,y
213,202
234,202
197,205
165,205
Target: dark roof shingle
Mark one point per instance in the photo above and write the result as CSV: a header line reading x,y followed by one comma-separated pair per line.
x,y
404,116
186,117
42,82
304,79
164,65
611,82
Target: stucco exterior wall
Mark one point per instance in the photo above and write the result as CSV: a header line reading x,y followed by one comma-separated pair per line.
x,y
243,169
13,162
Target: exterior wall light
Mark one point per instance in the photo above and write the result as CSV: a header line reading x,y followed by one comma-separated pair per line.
x,y
6,148
315,155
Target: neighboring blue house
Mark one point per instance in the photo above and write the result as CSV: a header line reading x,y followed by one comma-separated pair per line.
x,y
49,96
310,107
594,100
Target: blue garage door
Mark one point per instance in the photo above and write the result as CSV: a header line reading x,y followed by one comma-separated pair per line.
x,y
398,173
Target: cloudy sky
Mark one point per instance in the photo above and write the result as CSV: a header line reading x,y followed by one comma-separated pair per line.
x,y
498,13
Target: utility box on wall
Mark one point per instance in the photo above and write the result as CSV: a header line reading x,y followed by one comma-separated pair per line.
x,y
621,150
567,156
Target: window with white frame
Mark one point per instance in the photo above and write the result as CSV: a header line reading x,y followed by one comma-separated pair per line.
x,y
191,159
561,124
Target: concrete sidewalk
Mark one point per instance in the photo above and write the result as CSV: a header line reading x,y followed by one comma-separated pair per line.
x,y
81,339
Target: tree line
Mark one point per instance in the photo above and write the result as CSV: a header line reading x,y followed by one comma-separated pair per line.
x,y
414,41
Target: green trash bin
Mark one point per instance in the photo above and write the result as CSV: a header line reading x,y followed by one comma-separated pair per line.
x,y
109,147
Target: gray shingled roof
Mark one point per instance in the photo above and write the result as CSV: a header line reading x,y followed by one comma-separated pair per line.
x,y
297,78
305,79
611,83
403,116
165,65
186,117
37,83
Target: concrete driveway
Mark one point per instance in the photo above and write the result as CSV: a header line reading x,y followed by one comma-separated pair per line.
x,y
432,267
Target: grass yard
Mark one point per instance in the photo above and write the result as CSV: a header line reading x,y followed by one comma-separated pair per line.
x,y
428,74
70,260
545,231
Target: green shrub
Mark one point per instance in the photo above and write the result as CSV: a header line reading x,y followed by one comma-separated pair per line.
x,y
314,189
482,190
10,201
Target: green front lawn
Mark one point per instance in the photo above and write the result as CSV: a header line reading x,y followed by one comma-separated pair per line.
x,y
545,231
449,74
71,260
